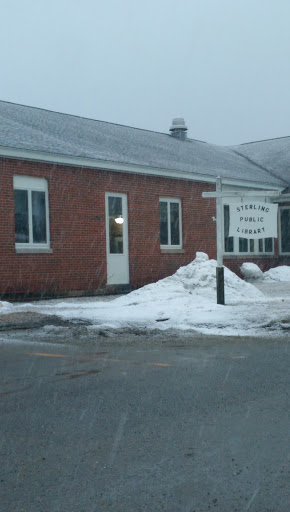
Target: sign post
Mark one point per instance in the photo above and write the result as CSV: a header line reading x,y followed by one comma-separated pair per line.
x,y
220,281
251,220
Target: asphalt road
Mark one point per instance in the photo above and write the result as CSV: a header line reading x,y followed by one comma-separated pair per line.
x,y
149,425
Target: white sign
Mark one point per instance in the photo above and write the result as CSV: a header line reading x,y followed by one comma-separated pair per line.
x,y
252,219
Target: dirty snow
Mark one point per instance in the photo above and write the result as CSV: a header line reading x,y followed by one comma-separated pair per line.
x,y
183,301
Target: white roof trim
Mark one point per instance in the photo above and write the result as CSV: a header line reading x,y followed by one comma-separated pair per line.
x,y
93,163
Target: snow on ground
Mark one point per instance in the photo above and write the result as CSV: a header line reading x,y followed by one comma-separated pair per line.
x,y
184,301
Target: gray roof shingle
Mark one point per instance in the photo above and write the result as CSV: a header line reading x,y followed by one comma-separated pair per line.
x,y
34,129
271,154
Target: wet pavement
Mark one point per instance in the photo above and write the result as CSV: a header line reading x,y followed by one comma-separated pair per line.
x,y
144,423
138,420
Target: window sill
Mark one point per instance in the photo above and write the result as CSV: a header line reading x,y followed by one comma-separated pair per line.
x,y
33,250
172,251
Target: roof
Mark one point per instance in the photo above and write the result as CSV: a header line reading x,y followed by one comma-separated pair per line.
x,y
271,154
67,138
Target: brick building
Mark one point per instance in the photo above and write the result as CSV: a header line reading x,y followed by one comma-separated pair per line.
x,y
91,207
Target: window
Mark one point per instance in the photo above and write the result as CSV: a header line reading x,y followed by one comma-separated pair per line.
x,y
31,213
237,245
116,220
285,230
170,223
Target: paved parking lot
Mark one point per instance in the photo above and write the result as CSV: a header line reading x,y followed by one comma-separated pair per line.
x,y
144,424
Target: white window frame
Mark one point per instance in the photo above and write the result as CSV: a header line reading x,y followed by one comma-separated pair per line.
x,y
237,252
169,200
280,231
33,185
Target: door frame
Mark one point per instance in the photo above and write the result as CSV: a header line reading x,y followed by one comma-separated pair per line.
x,y
112,258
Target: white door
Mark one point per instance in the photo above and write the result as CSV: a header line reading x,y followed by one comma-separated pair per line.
x,y
117,239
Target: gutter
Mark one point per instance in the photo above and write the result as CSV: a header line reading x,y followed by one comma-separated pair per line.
x,y
92,163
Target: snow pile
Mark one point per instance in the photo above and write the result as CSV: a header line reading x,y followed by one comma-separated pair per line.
x,y
251,271
5,306
184,301
197,280
280,274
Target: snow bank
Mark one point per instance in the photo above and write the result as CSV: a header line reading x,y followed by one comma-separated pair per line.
x,y
281,274
5,306
278,274
184,301
197,279
251,271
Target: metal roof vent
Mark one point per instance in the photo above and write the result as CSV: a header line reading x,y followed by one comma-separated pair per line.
x,y
178,128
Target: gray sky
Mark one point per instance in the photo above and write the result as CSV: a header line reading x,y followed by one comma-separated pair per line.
x,y
223,65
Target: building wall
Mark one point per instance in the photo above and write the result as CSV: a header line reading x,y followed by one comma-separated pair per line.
x,y
77,229
77,264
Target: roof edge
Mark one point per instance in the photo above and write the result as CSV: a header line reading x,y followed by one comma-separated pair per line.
x,y
93,119
37,156
257,141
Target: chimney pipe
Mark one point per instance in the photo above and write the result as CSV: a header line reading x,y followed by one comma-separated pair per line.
x,y
178,128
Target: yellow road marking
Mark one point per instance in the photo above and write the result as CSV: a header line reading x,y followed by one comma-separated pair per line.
x,y
44,354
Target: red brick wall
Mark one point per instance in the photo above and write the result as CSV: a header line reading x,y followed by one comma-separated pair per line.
x,y
77,229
